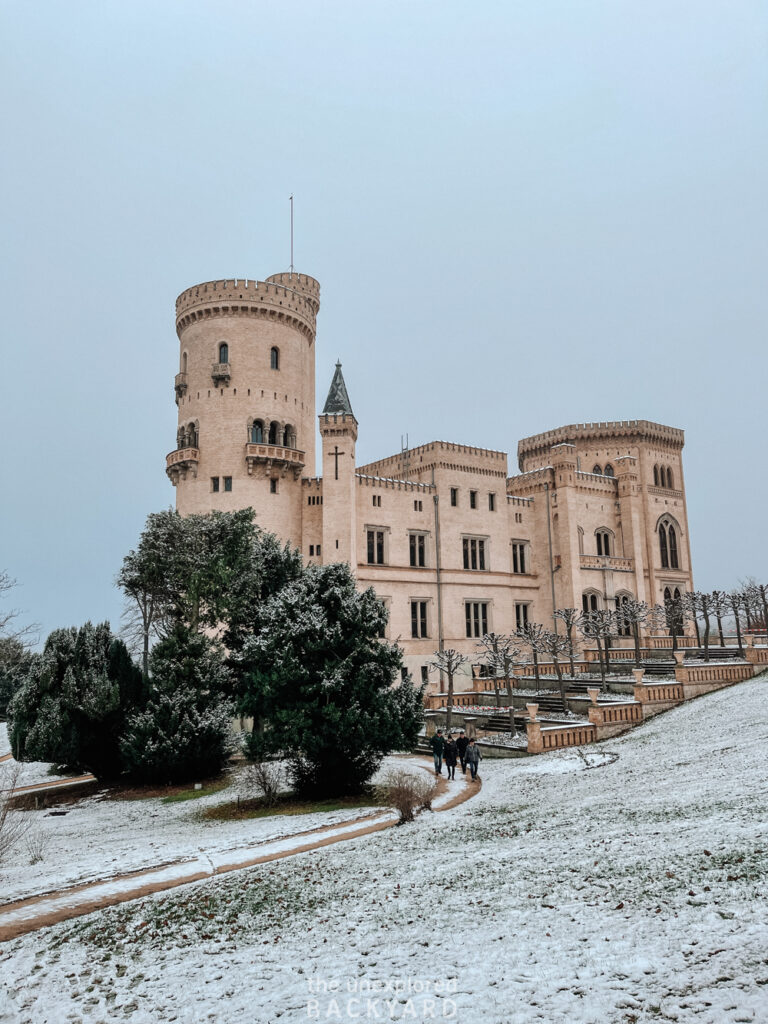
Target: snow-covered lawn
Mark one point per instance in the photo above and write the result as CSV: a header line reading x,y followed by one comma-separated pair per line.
x,y
629,892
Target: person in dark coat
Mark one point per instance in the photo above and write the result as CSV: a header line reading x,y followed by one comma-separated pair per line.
x,y
438,745
473,758
450,753
461,746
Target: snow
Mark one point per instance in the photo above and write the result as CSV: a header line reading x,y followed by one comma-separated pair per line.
x,y
625,886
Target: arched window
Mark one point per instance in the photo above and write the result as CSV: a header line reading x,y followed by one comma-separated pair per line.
x,y
663,550
589,602
274,428
580,533
623,624
257,432
274,358
672,538
603,538
184,362
223,352
597,470
655,476
608,471
670,482
289,436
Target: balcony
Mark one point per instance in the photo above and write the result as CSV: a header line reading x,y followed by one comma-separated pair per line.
x,y
606,562
180,386
181,462
274,458
220,372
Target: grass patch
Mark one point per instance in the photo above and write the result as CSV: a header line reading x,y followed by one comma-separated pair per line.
x,y
194,794
288,804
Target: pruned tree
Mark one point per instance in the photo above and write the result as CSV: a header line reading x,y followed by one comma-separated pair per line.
x,y
706,610
736,604
634,614
677,613
503,653
719,606
693,608
570,618
451,662
531,635
557,646
601,627
758,598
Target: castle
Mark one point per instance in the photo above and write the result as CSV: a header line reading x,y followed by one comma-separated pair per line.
x,y
452,545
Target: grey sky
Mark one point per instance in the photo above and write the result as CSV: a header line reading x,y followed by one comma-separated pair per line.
x,y
521,215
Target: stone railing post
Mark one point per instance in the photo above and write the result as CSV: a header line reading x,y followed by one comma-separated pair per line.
x,y
596,716
470,727
533,731
681,672
594,693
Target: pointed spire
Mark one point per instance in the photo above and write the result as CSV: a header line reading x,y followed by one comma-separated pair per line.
x,y
337,402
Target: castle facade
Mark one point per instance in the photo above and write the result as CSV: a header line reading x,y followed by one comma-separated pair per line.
x,y
453,545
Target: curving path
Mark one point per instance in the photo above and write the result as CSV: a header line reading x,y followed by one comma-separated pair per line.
x,y
37,912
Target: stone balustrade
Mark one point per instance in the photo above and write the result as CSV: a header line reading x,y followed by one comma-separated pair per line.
x,y
556,737
180,462
606,562
274,458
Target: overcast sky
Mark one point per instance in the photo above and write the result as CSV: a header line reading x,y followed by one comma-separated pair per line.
x,y
521,214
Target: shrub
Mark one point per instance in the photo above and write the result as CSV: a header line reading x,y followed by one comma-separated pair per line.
x,y
406,792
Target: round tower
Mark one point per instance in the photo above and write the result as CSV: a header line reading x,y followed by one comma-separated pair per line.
x,y
245,391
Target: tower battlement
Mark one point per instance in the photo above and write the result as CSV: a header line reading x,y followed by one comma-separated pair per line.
x,y
629,431
293,297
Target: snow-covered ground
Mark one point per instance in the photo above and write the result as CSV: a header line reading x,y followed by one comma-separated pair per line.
x,y
621,889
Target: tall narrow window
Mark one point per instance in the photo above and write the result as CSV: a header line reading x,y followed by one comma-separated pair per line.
x,y
419,619
274,358
257,432
273,486
454,497
215,484
375,539
184,363
518,557
672,539
589,603
656,476
521,615
603,542
473,553
663,551
670,482
227,483
491,502
476,618
608,471
417,546
473,499
580,533
622,622
274,427
223,352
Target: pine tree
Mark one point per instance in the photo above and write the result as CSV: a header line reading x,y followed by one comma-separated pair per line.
x,y
183,730
319,683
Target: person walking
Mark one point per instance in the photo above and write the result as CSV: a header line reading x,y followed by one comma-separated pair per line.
x,y
450,753
473,758
438,745
461,748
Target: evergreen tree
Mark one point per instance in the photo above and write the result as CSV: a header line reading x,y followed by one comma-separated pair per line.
x,y
72,703
319,683
183,730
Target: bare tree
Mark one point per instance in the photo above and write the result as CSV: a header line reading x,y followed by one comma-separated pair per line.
x,y
557,646
634,614
451,662
706,610
502,653
13,825
677,614
570,619
718,603
531,635
9,628
758,593
736,603
692,604
601,626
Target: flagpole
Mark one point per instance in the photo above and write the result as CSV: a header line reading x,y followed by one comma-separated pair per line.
x,y
291,202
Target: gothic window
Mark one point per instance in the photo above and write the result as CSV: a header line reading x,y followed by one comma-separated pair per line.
x,y
375,543
521,615
603,542
670,484
274,358
608,471
597,470
274,428
223,352
672,540
580,533
590,602
624,626
663,549
655,476
257,432
289,436
417,544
